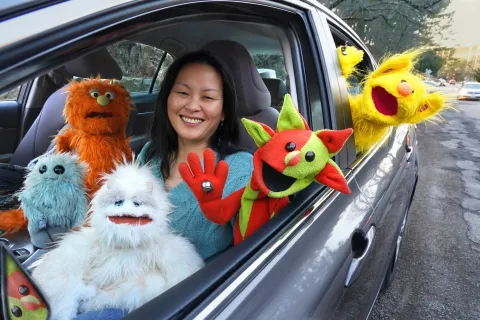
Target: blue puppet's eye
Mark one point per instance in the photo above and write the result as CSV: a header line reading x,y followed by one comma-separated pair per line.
x,y
43,169
118,203
136,204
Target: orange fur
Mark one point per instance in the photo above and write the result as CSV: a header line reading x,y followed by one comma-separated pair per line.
x,y
12,221
98,141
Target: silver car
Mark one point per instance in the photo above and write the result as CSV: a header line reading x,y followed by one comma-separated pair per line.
x,y
326,255
469,90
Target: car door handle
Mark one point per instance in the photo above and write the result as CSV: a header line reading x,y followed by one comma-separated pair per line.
x,y
361,247
409,152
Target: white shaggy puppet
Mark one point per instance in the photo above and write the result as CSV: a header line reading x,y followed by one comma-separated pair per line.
x,y
127,257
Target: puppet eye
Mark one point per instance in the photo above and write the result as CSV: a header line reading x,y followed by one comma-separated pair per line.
x,y
23,290
110,95
94,93
310,156
136,204
16,311
42,169
118,203
290,146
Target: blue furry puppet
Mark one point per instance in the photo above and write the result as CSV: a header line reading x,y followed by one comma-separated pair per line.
x,y
54,194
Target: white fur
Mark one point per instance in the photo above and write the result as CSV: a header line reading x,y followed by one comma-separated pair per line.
x,y
117,265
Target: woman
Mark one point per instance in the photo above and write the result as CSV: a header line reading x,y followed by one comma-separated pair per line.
x,y
196,109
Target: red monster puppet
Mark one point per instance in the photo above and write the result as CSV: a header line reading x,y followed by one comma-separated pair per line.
x,y
287,161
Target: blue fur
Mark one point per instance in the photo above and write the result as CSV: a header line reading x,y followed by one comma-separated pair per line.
x,y
54,200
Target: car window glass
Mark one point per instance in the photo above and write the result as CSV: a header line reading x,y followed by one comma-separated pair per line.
x,y
138,63
270,65
10,95
161,73
355,80
271,68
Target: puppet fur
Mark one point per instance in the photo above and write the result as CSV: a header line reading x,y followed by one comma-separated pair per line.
x,y
54,194
125,258
97,112
392,95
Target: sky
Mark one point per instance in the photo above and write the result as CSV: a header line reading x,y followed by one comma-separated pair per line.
x,y
466,23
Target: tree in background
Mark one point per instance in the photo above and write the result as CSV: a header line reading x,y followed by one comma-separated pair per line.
x,y
476,75
432,61
394,25
455,68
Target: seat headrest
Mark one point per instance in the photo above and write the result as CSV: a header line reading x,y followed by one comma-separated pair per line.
x,y
253,95
97,62
278,90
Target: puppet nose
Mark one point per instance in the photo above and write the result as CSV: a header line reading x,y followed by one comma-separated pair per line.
x,y
103,101
405,89
292,158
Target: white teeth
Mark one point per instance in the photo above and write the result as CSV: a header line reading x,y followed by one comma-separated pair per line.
x,y
191,120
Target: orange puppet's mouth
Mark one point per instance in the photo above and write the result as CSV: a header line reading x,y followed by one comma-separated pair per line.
x,y
130,219
384,102
276,181
99,115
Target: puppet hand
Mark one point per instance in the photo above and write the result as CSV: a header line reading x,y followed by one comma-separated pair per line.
x,y
42,223
63,143
206,186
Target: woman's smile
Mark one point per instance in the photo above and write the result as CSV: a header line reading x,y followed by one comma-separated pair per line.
x,y
191,120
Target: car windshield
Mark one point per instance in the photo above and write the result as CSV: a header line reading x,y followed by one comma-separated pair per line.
x,y
472,86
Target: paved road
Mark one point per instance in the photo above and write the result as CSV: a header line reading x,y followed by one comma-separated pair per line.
x,y
439,267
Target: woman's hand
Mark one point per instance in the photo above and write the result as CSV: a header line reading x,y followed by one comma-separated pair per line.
x,y
206,186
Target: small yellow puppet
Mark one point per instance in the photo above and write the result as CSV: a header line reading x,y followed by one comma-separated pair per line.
x,y
392,95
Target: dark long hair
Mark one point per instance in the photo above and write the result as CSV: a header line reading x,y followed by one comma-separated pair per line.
x,y
164,139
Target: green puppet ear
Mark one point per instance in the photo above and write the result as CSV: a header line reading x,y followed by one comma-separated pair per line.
x,y
290,118
259,132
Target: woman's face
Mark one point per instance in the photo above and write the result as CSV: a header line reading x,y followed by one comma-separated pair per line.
x,y
195,103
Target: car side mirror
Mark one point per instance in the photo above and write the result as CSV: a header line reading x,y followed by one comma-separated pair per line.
x,y
20,297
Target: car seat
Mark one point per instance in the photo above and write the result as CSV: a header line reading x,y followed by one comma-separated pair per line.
x,y
253,96
50,121
278,90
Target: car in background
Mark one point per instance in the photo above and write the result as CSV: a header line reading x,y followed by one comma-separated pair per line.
x,y
441,82
326,255
469,91
452,82
431,85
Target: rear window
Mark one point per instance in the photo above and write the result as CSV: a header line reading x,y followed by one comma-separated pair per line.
x,y
472,86
270,65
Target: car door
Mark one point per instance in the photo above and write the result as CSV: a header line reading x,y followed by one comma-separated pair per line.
x,y
384,175
10,112
297,265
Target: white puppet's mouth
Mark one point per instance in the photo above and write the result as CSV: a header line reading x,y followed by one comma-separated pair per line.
x,y
130,219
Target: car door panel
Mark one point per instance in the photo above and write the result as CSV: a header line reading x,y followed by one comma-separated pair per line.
x,y
306,277
9,119
384,181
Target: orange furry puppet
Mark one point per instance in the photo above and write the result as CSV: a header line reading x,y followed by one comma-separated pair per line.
x,y
97,112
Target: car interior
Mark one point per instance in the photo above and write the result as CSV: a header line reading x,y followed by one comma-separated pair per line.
x,y
259,98
236,42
